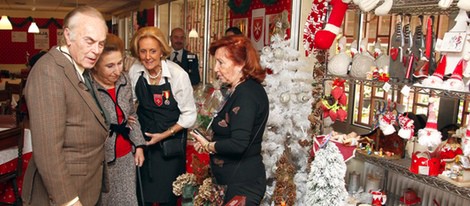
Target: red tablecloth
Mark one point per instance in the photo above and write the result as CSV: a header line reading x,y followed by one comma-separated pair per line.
x,y
6,190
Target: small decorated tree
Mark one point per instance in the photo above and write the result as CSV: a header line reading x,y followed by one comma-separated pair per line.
x,y
325,184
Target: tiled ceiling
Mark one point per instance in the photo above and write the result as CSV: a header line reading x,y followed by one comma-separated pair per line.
x,y
105,6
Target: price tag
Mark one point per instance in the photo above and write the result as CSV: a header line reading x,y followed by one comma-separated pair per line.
x,y
386,87
405,91
424,170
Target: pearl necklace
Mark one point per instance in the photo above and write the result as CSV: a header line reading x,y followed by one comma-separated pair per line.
x,y
156,76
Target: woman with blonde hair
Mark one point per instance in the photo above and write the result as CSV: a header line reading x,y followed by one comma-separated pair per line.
x,y
165,109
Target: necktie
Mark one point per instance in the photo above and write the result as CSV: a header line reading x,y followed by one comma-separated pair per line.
x,y
175,57
87,79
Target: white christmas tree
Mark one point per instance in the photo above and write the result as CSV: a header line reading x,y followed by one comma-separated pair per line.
x,y
325,185
289,89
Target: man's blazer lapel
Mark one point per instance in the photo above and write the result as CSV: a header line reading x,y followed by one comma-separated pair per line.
x,y
80,86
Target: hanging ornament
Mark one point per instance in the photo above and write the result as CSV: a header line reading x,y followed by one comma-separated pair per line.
x,y
267,50
285,97
303,97
278,53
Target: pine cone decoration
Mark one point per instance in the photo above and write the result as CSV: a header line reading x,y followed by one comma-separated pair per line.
x,y
285,186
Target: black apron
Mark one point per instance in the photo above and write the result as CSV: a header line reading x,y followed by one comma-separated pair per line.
x,y
158,111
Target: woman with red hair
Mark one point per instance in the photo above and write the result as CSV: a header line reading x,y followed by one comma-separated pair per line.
x,y
238,127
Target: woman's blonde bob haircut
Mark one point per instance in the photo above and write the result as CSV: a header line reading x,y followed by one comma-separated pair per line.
x,y
150,32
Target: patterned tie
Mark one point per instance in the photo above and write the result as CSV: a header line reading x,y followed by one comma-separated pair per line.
x,y
175,58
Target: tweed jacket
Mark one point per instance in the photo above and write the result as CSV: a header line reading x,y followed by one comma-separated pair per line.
x,y
68,133
123,88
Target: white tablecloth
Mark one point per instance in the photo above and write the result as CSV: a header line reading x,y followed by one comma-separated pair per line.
x,y
10,154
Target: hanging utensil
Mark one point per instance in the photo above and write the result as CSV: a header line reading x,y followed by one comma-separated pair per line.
x,y
418,39
408,56
397,70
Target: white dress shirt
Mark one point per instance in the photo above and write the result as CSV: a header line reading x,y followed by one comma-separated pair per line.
x,y
180,55
180,87
80,70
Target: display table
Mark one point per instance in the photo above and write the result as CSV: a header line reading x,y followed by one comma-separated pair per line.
x,y
8,159
398,177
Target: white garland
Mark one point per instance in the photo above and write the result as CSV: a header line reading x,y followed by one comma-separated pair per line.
x,y
289,92
325,184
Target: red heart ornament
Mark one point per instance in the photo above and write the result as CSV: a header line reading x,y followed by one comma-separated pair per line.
x,y
394,53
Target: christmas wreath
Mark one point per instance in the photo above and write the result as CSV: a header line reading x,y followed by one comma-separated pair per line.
x,y
239,9
269,2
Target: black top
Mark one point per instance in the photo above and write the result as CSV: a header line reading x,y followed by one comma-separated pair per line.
x,y
242,118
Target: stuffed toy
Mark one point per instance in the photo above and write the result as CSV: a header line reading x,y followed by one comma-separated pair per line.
x,y
406,127
382,60
455,81
383,9
436,80
466,141
464,4
466,145
339,64
368,5
324,38
363,63
430,136
386,122
445,4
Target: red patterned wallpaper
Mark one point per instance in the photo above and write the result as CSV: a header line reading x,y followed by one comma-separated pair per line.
x,y
15,52
276,8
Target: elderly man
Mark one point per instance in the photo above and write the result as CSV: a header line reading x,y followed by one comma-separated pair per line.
x,y
187,60
68,126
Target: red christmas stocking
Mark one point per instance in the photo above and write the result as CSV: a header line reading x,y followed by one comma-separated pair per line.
x,y
324,38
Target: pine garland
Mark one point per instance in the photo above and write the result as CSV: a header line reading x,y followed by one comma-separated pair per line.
x,y
29,19
269,2
239,9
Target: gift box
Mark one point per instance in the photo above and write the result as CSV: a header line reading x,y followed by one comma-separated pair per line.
x,y
423,163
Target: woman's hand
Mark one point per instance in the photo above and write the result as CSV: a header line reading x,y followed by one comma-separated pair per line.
x,y
201,141
154,138
131,120
139,157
